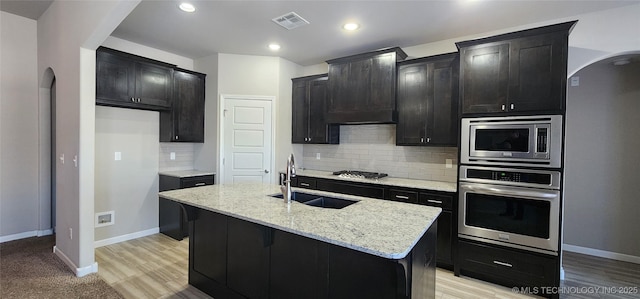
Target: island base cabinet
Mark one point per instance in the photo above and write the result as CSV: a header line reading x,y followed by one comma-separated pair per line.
x,y
233,258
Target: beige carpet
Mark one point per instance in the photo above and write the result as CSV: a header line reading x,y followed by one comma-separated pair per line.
x,y
29,269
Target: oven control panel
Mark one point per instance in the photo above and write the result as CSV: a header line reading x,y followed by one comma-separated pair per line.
x,y
510,176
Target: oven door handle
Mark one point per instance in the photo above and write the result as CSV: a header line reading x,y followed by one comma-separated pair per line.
x,y
503,191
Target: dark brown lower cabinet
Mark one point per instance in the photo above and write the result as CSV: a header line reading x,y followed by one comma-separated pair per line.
x,y
171,217
233,258
508,266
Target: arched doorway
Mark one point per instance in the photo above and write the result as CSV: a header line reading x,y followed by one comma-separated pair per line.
x,y
601,159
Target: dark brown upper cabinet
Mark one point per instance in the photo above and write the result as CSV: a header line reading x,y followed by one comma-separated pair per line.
x,y
362,88
130,81
428,101
523,72
185,121
308,123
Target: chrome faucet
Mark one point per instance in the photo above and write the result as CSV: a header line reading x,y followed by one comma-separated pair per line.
x,y
285,188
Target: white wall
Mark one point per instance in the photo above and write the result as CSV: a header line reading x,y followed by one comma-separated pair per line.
x,y
68,34
264,76
19,198
128,187
602,162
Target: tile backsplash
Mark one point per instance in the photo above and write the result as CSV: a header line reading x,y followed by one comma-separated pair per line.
x,y
184,156
373,148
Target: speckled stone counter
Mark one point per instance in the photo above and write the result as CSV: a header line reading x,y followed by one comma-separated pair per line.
x,y
382,228
389,181
186,173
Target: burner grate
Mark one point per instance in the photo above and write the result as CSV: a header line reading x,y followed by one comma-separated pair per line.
x,y
359,174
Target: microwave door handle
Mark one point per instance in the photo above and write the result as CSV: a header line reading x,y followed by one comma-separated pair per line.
x,y
502,191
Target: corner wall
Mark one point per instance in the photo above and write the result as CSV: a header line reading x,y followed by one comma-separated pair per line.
x,y
20,205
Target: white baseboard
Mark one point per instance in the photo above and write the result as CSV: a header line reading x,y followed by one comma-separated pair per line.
x,y
24,235
46,232
602,253
80,272
126,237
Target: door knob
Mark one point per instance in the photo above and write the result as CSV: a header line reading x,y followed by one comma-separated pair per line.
x,y
266,171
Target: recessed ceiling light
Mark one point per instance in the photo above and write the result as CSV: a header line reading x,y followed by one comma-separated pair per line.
x,y
187,7
274,47
350,26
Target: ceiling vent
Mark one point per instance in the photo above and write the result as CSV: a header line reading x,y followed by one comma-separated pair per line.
x,y
290,20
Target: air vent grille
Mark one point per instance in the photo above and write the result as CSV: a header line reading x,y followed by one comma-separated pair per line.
x,y
290,20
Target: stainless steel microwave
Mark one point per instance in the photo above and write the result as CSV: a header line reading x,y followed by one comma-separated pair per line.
x,y
534,141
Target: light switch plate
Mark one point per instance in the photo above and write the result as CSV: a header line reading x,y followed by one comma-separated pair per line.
x,y
575,81
317,156
172,155
118,156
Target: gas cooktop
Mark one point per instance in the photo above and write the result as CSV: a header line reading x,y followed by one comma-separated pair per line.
x,y
359,174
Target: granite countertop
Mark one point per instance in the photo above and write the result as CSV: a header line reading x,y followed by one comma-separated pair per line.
x,y
186,173
383,228
390,181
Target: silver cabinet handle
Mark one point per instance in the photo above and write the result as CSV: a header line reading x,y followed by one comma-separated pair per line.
x,y
428,139
513,106
138,100
503,107
503,264
200,184
176,137
421,139
304,184
266,171
402,197
434,201
133,100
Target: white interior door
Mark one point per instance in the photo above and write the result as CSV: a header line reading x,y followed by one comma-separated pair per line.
x,y
247,139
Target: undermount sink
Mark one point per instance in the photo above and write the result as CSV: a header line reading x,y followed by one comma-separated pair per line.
x,y
318,200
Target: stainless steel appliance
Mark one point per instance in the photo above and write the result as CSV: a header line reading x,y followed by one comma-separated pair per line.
x,y
532,141
518,208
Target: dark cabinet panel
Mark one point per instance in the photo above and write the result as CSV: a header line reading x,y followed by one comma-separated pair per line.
x,y
519,72
130,81
402,195
484,78
248,258
309,124
171,218
362,88
427,101
185,121
509,267
298,267
209,247
306,182
351,188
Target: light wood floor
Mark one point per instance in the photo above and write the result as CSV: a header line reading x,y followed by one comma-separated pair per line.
x,y
157,267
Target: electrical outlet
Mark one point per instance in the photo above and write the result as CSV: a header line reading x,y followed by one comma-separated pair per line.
x,y
317,156
448,163
172,156
70,233
118,156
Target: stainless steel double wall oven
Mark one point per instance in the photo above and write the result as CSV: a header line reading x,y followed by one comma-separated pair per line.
x,y
510,181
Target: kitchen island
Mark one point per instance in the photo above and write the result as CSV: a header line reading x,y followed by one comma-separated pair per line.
x,y
246,244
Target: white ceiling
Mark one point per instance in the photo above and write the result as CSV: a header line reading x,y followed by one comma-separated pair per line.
x,y
245,27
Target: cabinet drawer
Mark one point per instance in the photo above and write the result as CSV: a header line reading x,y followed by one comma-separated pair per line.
x,y
508,267
402,195
196,181
304,182
436,200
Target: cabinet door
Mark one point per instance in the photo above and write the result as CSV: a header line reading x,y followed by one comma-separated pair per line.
x,y
318,128
248,258
298,267
445,238
381,94
413,91
484,75
538,73
188,107
208,246
115,79
300,112
340,97
153,84
442,111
